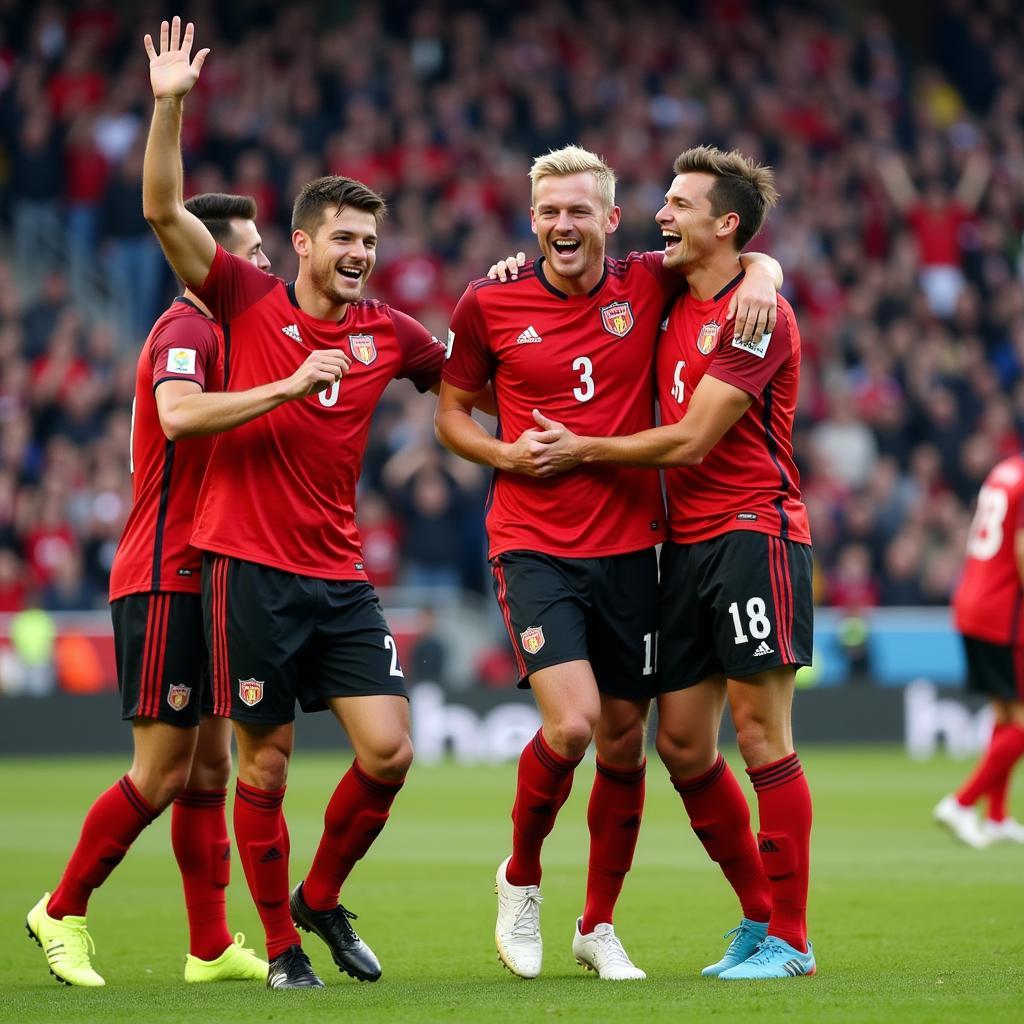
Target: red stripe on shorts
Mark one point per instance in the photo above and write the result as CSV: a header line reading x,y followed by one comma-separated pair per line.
x,y
147,654
780,595
506,614
222,681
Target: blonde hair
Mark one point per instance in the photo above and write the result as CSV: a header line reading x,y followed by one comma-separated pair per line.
x,y
560,163
743,187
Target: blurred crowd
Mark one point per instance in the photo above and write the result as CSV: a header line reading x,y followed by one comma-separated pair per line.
x,y
899,153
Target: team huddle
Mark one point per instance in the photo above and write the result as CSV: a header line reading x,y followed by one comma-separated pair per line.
x,y
239,587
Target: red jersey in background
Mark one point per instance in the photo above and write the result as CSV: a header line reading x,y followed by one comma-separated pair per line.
x,y
989,601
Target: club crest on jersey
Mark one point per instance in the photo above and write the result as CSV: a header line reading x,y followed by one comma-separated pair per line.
x,y
363,348
178,697
617,319
250,691
708,337
532,639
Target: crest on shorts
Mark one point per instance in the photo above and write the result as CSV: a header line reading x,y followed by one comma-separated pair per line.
x,y
532,639
363,348
708,337
178,697
250,691
617,318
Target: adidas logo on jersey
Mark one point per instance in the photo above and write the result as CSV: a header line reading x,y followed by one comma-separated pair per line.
x,y
762,649
529,337
292,330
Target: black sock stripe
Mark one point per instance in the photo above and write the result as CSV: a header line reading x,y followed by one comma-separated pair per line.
x,y
630,778
134,798
702,782
559,766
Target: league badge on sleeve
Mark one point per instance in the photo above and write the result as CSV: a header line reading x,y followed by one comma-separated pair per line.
x,y
707,339
617,318
250,691
755,346
178,697
532,639
363,348
181,360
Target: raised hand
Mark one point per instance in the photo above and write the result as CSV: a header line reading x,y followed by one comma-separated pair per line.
x,y
173,71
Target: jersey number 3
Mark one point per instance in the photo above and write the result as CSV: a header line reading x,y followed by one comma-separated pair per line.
x,y
584,392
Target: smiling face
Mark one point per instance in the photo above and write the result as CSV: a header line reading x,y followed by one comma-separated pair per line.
x,y
339,256
571,222
690,230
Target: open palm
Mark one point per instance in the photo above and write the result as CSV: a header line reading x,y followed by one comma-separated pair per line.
x,y
173,71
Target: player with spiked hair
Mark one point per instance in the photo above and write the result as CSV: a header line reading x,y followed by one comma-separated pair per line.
x,y
736,602
573,558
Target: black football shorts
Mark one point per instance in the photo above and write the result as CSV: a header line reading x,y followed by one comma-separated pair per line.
x,y
602,610
735,605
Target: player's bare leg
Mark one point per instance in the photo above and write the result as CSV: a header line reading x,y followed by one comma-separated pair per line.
x,y
761,708
687,742
199,836
570,707
613,816
378,727
261,833
990,779
160,768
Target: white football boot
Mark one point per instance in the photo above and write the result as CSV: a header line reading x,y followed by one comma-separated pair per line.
x,y
601,951
1009,830
517,931
961,821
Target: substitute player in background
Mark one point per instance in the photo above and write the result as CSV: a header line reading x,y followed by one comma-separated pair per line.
x,y
288,609
182,754
736,605
988,609
574,564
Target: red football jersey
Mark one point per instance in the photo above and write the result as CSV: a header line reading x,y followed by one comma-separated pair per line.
x,y
586,361
989,600
748,481
154,552
281,489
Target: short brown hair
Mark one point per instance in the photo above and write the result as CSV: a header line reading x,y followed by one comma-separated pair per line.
x,y
743,187
333,191
217,210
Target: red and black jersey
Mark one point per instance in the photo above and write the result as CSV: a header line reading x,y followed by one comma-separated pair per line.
x,y
748,481
154,553
586,361
281,489
989,600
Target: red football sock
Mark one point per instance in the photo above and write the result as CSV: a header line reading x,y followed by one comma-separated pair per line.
x,y
720,818
113,823
263,847
784,842
542,786
355,816
613,815
993,772
199,837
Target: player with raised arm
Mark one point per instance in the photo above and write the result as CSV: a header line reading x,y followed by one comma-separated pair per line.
x,y
182,753
289,612
736,603
987,608
573,559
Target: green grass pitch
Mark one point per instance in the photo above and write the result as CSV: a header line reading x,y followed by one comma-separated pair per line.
x,y
907,925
